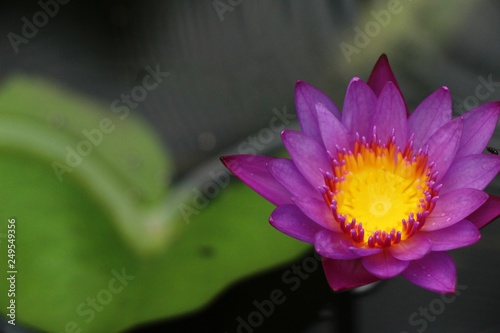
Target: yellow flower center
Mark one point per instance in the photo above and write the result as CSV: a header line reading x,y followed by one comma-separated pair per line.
x,y
379,194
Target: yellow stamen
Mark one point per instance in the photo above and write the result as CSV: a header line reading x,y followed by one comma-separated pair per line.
x,y
378,194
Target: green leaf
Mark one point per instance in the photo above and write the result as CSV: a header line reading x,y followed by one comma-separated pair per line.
x,y
113,156
108,247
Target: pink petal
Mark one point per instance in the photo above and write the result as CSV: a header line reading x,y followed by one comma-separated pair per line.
x,y
359,107
287,174
252,170
307,154
291,221
306,97
443,145
472,171
332,131
359,251
318,211
458,235
435,272
390,114
346,274
489,211
381,74
384,265
431,114
453,207
327,244
415,247
479,125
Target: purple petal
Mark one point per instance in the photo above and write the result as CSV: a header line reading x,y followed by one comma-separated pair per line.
x,y
252,170
381,74
472,171
384,265
479,125
489,211
431,114
308,155
458,235
327,244
453,207
443,145
390,114
435,272
287,174
359,107
291,221
346,274
359,251
318,211
332,131
306,97
415,247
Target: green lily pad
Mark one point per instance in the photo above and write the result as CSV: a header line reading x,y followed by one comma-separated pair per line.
x,y
110,244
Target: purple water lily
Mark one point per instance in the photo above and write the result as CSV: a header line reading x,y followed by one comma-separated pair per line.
x,y
378,191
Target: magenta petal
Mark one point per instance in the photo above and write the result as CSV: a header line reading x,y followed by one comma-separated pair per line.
x,y
453,207
390,115
434,112
443,145
308,155
458,235
479,125
291,221
318,211
359,107
306,97
287,174
252,170
333,132
381,74
413,248
327,244
359,251
384,265
346,274
435,272
489,211
472,171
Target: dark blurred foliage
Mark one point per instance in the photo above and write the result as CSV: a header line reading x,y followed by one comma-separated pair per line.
x,y
227,76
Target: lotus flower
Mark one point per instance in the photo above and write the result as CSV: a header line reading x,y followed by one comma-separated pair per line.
x,y
378,191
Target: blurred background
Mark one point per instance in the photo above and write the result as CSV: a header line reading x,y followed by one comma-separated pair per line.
x,y
142,230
